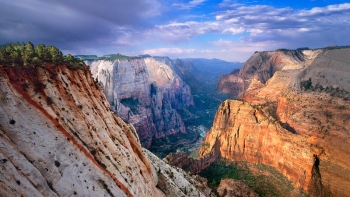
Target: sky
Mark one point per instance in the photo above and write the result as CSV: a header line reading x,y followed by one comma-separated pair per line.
x,y
230,30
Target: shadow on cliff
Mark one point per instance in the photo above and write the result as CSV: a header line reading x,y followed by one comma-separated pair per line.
x,y
316,188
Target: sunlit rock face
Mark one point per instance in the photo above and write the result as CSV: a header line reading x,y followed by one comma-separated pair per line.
x,y
261,66
303,110
58,137
146,93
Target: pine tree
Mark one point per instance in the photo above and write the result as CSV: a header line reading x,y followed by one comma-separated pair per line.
x,y
28,53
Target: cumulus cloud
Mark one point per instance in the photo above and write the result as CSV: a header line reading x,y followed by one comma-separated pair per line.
x,y
262,22
270,18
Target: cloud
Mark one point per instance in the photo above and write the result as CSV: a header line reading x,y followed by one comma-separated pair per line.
x,y
262,23
189,5
247,46
268,17
135,25
72,24
259,28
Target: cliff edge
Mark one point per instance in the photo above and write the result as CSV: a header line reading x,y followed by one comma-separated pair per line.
x,y
58,137
293,116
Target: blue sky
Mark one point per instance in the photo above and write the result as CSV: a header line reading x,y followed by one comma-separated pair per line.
x,y
231,30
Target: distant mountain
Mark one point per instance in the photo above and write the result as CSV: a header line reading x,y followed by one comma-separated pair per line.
x,y
214,67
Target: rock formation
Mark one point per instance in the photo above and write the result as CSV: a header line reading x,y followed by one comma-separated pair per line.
x,y
261,67
302,111
190,164
175,181
146,93
234,188
58,137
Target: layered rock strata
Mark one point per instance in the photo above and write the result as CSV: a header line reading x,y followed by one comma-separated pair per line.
x,y
58,137
301,112
146,93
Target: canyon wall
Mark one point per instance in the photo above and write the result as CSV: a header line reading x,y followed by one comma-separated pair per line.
x,y
296,121
58,137
146,93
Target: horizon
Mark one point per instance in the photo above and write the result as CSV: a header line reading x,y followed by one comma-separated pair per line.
x,y
228,30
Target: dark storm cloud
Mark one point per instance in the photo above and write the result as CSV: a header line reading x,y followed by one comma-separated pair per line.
x,y
72,24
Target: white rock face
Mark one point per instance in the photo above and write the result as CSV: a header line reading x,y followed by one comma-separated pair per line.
x,y
144,92
58,137
329,69
69,145
174,182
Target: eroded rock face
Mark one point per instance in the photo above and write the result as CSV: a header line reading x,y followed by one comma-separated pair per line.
x,y
190,164
301,111
144,92
175,182
58,137
234,188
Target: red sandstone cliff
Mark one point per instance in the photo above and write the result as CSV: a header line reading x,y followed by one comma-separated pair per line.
x,y
284,121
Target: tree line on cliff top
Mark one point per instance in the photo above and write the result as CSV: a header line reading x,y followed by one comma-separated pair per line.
x,y
25,54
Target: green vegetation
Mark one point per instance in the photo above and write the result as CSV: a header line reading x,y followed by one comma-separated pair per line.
x,y
262,179
117,56
335,92
86,57
111,57
132,103
306,85
25,54
163,146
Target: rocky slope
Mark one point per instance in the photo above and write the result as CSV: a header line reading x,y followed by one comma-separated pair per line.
x,y
295,121
176,182
189,164
261,67
146,93
233,188
58,137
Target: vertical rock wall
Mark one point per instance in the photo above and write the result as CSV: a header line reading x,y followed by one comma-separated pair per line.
x,y
146,93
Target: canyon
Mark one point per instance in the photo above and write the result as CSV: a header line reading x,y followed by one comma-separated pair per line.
x,y
293,114
79,130
59,137
171,103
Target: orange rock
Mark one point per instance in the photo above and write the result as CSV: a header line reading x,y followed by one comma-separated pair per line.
x,y
283,123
